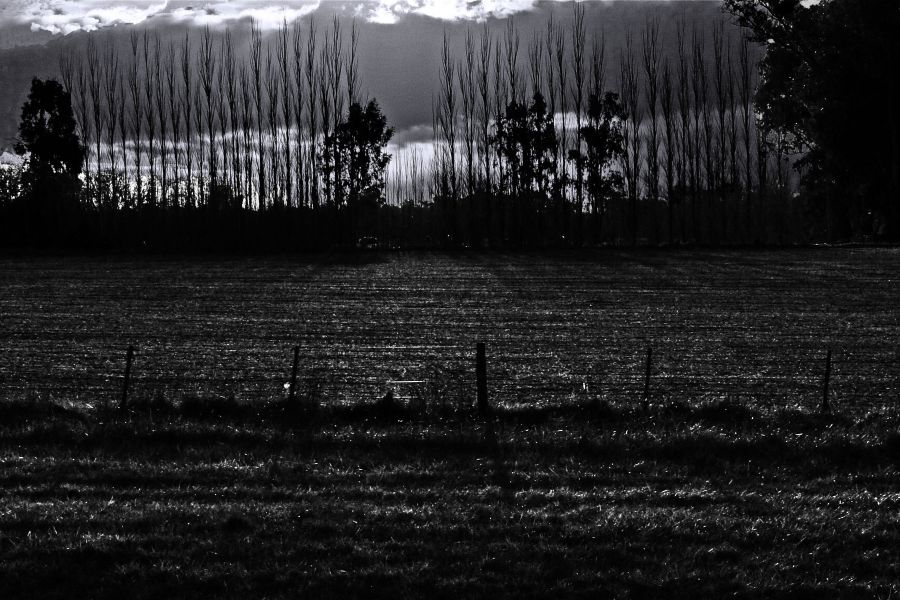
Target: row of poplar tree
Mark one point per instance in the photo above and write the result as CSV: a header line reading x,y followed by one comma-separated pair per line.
x,y
530,146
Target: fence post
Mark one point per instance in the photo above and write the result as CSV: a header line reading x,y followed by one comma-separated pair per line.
x,y
129,356
293,391
481,377
825,406
647,377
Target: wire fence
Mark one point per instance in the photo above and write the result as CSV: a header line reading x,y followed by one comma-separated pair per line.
x,y
446,375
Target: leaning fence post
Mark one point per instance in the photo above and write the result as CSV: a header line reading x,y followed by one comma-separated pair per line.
x,y
825,406
647,377
293,391
481,377
129,356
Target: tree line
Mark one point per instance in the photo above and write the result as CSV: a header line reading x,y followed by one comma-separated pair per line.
x,y
205,142
202,137
533,147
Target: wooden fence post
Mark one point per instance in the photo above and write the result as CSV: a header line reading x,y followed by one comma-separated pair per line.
x,y
825,406
481,377
129,356
293,392
647,377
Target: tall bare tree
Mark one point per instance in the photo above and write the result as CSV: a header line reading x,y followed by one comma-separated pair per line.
x,y
466,75
536,63
111,92
297,125
206,72
312,72
287,111
352,68
256,73
484,112
161,108
563,107
95,83
247,147
512,45
746,94
325,107
651,60
333,58
150,84
231,79
732,120
698,88
550,43
187,106
336,72
631,130
226,177
171,80
447,118
579,37
198,126
500,93
137,119
687,173
273,90
598,64
667,105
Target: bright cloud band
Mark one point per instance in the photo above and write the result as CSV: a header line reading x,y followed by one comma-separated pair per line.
x,y
67,16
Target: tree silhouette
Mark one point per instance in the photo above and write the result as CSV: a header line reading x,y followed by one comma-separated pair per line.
x,y
525,141
830,87
353,161
603,142
241,128
54,161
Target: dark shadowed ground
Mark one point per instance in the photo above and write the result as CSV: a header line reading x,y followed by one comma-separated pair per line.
x,y
729,484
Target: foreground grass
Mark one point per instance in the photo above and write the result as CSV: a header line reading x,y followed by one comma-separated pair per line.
x,y
221,501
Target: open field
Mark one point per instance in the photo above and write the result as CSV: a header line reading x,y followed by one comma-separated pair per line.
x,y
729,485
750,326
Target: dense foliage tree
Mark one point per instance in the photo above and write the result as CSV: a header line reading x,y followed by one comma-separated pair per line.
x,y
525,143
830,86
354,160
603,140
525,139
47,135
54,159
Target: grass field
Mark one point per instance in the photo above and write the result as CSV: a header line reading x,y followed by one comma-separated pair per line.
x,y
749,326
729,484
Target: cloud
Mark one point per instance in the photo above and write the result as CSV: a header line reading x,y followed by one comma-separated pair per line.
x,y
67,16
392,11
269,15
465,10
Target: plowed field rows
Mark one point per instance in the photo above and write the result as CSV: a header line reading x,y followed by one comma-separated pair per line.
x,y
752,326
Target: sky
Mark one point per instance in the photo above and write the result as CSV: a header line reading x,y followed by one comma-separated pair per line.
x,y
400,40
